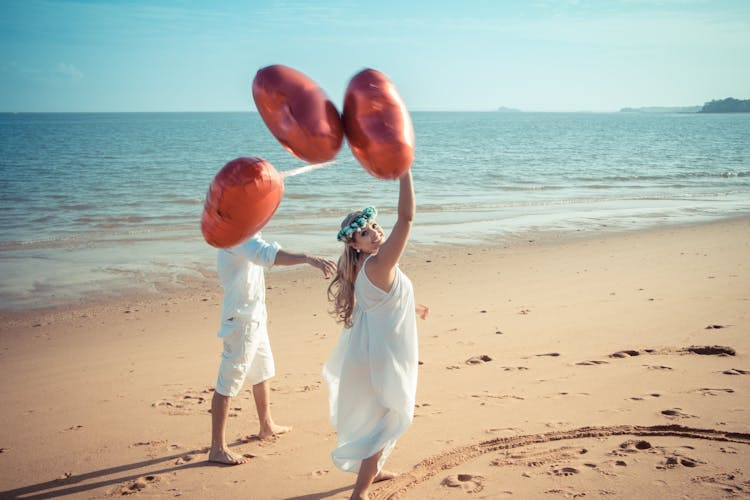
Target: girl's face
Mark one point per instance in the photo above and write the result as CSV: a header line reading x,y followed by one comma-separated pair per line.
x,y
369,239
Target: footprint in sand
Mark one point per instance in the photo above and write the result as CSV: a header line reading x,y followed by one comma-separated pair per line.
x,y
189,457
676,413
677,460
157,448
187,403
150,443
713,392
641,398
635,445
65,476
478,360
710,350
625,354
728,482
736,371
137,485
565,471
309,388
567,492
566,394
469,483
153,448
592,362
658,367
425,410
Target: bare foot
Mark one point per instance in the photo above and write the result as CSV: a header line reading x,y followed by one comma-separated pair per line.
x,y
384,475
224,456
273,430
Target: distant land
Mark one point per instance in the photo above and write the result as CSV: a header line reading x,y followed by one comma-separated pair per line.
x,y
728,105
663,109
503,109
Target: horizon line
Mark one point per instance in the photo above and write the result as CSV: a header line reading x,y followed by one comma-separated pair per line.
x,y
419,110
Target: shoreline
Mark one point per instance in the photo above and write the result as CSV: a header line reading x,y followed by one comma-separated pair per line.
x,y
203,280
528,339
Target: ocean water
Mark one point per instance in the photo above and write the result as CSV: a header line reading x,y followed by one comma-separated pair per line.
x,y
99,205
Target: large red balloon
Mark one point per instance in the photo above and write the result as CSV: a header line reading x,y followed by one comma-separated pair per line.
x,y
377,125
241,199
298,113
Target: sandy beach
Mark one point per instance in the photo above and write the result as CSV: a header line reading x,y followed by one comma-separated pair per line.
x,y
610,366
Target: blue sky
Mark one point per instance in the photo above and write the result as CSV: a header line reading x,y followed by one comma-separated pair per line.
x,y
536,55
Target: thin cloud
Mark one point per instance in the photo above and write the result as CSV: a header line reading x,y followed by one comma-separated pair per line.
x,y
61,72
67,71
282,12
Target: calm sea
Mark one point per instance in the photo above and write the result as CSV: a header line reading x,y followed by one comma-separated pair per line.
x,y
97,205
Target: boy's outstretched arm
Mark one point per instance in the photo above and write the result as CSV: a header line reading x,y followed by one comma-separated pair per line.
x,y
286,258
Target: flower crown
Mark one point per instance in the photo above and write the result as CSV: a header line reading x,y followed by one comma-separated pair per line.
x,y
357,224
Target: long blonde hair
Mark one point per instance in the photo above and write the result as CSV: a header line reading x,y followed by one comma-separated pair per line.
x,y
341,289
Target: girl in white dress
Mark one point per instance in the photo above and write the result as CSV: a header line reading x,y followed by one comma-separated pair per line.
x,y
372,374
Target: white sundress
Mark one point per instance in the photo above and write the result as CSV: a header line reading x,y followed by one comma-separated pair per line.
x,y
372,374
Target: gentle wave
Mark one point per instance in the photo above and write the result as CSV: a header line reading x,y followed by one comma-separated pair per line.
x,y
125,191
678,176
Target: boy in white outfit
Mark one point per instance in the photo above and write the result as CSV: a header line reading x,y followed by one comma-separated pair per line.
x,y
247,350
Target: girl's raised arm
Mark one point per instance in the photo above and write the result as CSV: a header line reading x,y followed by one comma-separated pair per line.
x,y
381,268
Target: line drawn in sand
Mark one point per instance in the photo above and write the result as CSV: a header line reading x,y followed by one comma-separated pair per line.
x,y
431,466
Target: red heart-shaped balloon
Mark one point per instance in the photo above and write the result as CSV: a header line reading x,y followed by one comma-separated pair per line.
x,y
241,199
298,113
377,125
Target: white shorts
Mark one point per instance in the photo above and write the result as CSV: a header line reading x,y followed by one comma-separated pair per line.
x,y
247,355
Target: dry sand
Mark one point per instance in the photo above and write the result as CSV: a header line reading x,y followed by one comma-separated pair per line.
x,y
613,366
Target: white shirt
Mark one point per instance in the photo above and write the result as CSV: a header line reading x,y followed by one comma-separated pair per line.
x,y
241,273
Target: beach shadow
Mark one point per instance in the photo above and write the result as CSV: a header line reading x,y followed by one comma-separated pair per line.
x,y
104,477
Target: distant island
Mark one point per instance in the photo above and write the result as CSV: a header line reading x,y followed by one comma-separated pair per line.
x,y
728,105
503,109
